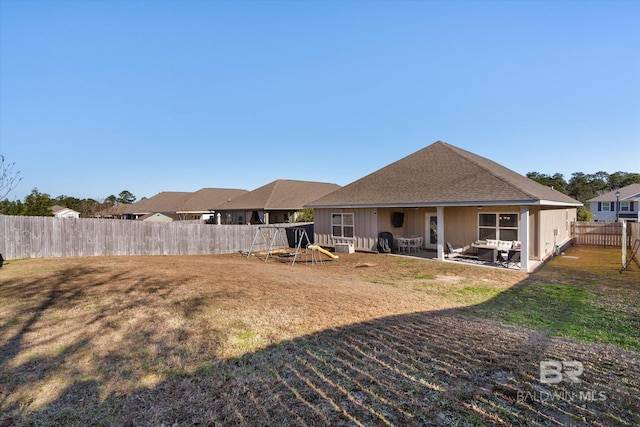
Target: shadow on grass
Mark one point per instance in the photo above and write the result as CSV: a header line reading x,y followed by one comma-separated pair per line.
x,y
446,367
41,343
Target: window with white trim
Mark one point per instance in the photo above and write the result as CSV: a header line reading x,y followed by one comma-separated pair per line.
x,y
342,225
498,226
624,207
606,207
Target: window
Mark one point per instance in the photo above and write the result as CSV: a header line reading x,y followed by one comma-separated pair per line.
x,y
342,225
498,226
624,207
487,227
606,206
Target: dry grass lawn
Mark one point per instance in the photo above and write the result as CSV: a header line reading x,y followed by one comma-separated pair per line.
x,y
365,340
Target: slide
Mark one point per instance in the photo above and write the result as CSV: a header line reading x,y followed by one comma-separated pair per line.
x,y
323,251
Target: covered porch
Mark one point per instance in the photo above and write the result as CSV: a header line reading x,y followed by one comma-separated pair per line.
x,y
467,227
432,255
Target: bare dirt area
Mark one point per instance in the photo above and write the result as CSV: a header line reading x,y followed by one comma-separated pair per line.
x,y
228,340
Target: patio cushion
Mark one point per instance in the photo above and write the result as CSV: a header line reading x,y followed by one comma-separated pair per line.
x,y
504,245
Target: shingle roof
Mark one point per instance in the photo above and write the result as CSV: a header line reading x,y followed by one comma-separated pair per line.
x,y
202,200
166,201
211,199
441,174
282,194
630,192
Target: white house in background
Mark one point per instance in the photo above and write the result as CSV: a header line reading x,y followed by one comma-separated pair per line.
x,y
62,212
156,217
604,207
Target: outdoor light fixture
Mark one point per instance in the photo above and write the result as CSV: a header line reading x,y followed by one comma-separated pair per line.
x,y
617,204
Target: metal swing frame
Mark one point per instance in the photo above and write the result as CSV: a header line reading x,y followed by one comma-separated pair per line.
x,y
274,237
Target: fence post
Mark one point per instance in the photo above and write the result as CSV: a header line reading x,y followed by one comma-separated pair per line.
x,y
624,241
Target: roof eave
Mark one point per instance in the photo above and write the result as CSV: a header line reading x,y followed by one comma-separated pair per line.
x,y
448,204
556,203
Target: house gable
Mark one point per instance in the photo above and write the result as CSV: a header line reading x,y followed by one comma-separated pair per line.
x,y
441,174
63,212
282,194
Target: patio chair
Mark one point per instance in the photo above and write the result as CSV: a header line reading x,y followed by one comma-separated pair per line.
x,y
402,244
511,257
415,245
452,253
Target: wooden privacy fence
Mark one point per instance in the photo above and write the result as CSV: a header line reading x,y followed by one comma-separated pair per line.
x,y
44,237
603,234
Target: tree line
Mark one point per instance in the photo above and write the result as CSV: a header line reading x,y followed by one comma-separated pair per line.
x,y
583,187
40,204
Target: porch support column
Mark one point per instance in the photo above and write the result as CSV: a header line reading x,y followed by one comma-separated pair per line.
x,y
524,238
440,244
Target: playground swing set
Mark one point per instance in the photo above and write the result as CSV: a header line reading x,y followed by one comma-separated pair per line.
x,y
275,240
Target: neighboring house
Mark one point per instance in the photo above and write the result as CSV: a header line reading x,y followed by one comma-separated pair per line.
x,y
178,205
62,212
445,194
604,207
167,203
274,203
156,217
206,203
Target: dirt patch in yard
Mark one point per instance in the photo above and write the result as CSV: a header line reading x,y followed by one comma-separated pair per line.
x,y
219,340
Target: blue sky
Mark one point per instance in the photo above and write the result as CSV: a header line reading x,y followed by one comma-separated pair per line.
x,y
147,96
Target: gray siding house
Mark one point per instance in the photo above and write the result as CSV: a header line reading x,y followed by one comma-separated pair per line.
x,y
445,194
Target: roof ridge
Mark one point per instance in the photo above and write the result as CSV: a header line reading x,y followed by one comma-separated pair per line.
x,y
502,178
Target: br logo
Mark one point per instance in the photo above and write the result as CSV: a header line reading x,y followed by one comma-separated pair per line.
x,y
554,371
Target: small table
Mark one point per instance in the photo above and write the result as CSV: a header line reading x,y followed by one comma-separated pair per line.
x,y
487,254
402,243
408,244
